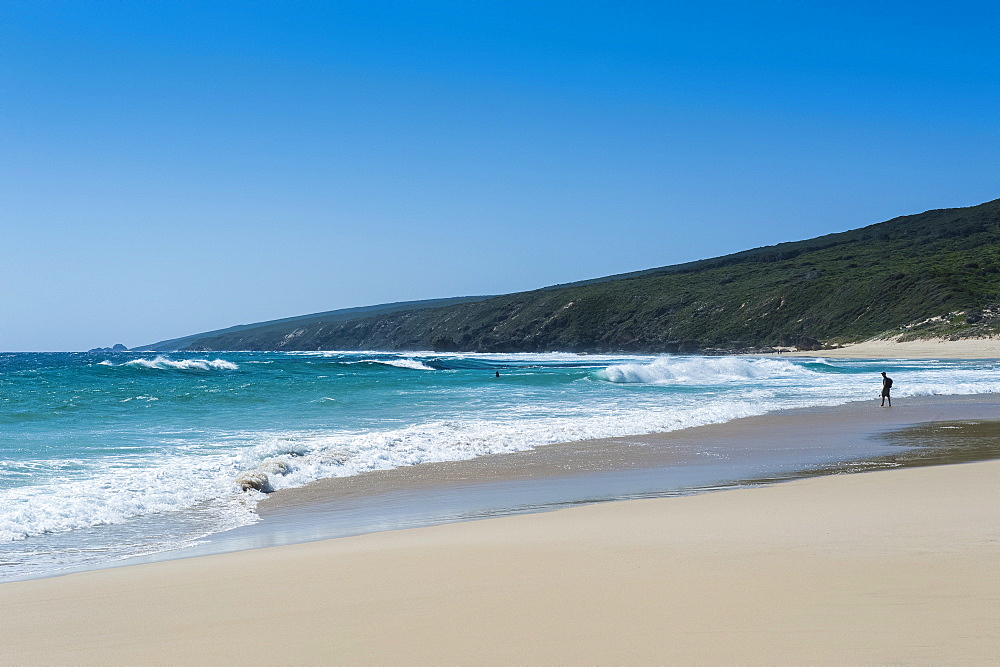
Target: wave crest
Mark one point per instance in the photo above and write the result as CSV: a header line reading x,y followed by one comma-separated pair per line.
x,y
412,364
700,370
163,363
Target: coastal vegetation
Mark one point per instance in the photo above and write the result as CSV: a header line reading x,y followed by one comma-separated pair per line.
x,y
935,274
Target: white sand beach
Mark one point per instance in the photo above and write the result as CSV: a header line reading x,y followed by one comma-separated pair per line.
x,y
931,348
894,566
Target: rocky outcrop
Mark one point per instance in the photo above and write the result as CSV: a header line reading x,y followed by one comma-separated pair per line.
x,y
117,347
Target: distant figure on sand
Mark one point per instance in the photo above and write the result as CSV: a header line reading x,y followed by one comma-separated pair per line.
x,y
886,386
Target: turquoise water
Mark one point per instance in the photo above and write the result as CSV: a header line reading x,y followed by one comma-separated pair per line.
x,y
103,457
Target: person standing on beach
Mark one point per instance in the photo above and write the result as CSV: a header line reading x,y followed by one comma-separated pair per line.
x,y
886,386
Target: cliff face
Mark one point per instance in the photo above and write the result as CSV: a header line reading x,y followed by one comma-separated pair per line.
x,y
936,273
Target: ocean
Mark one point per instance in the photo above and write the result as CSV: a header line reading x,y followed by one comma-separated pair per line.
x,y
105,457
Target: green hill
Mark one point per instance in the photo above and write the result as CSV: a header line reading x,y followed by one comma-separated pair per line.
x,y
932,274
286,325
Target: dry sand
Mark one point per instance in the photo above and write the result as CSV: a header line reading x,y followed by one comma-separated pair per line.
x,y
892,566
932,348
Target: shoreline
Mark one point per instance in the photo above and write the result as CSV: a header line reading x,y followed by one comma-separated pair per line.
x,y
749,451
744,435
893,566
811,441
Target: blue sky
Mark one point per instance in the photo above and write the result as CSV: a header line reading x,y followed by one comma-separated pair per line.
x,y
174,167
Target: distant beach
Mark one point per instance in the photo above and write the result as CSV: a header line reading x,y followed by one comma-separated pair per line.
x,y
931,348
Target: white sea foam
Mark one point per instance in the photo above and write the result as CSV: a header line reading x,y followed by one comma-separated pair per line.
x,y
305,457
702,370
163,363
938,389
117,491
401,363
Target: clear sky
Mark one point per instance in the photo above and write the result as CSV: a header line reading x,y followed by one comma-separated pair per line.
x,y
171,167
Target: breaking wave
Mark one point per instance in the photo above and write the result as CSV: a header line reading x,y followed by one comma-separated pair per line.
x,y
163,363
701,370
412,364
117,493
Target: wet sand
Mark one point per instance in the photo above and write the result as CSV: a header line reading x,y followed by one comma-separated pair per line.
x,y
805,434
745,452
